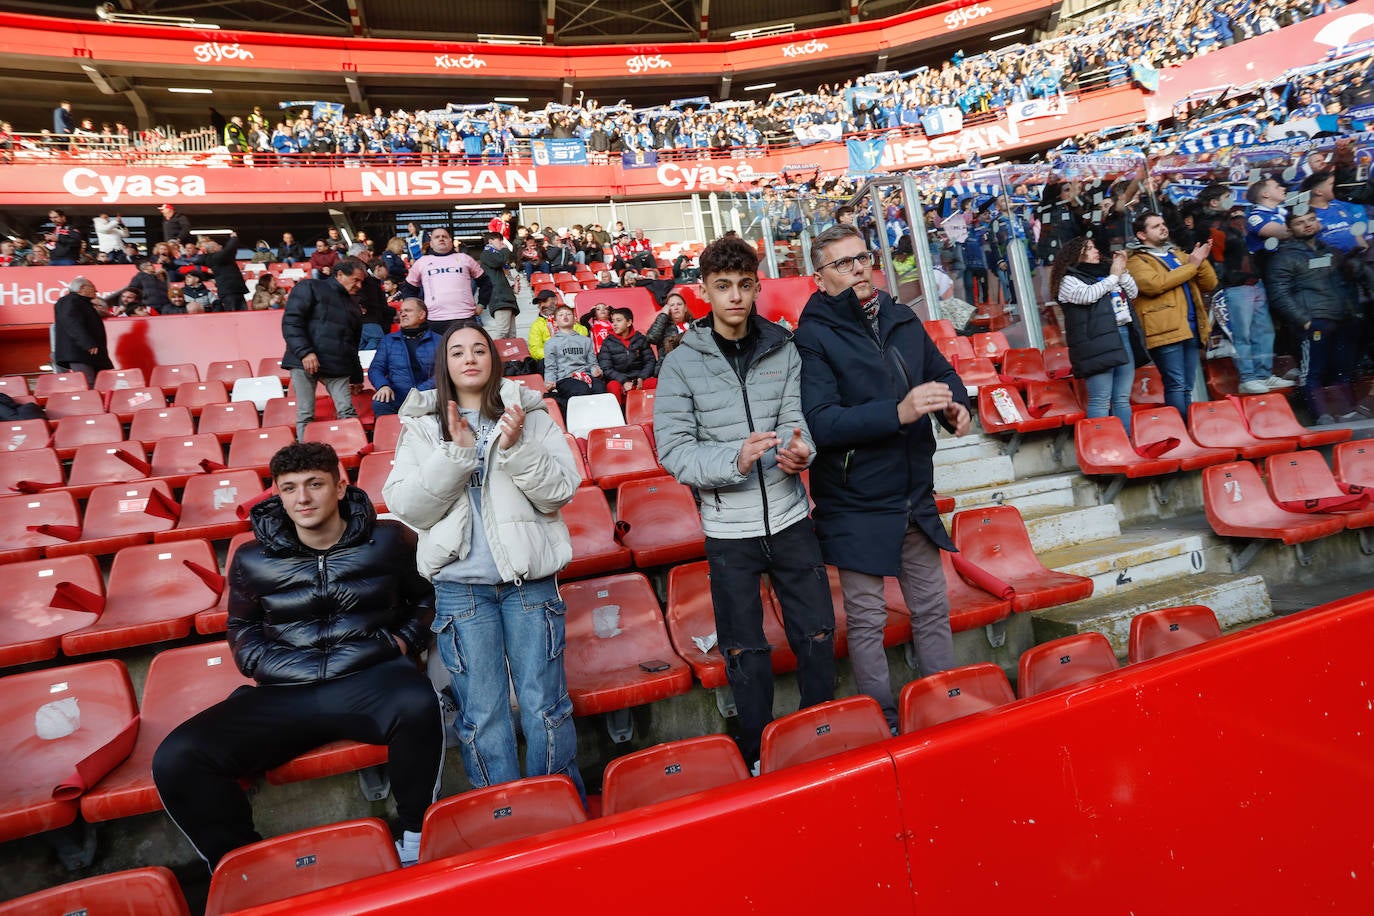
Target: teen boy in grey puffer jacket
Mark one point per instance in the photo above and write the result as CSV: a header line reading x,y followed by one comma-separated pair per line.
x,y
728,423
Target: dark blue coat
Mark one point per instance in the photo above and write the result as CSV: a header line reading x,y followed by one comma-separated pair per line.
x,y
871,476
391,364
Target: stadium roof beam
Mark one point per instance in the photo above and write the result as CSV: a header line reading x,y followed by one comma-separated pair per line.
x,y
641,19
356,18
118,85
355,92
299,14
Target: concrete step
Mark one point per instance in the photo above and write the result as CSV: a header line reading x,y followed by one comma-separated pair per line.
x,y
1235,600
1135,558
957,450
1088,528
973,473
1035,494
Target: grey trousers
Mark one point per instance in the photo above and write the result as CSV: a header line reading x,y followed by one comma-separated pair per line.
x,y
922,581
303,387
501,323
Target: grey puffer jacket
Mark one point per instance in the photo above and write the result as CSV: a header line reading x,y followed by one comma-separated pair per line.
x,y
703,414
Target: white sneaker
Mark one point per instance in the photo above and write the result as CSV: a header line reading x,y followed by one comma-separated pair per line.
x,y
754,769
1274,382
408,848
1254,387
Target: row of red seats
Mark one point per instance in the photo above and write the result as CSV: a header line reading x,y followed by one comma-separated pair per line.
x,y
167,378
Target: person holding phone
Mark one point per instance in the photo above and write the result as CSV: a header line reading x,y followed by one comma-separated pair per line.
x,y
481,472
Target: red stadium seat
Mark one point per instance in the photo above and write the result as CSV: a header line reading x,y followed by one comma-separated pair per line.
x,y
386,432
1301,482
1055,398
1064,661
223,420
154,592
1220,377
1353,463
271,366
196,395
90,721
137,892
820,731
534,383
227,372
954,349
499,814
121,515
49,384
31,522
510,348
555,413
691,616
300,862
952,694
179,458
939,329
1269,416
977,371
994,541
74,404
1237,505
45,599
1153,425
639,408
1147,390
1156,633
991,345
168,378
667,771
154,423
1103,448
17,387
618,654
372,474
1218,424
100,465
580,460
209,506
347,437
596,545
1023,365
216,619
24,435
181,682
539,277
970,607
125,402
254,448
1012,416
1057,363
115,379
329,760
73,432
664,526
619,454
30,471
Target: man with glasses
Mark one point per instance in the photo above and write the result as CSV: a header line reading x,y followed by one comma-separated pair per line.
x,y
870,377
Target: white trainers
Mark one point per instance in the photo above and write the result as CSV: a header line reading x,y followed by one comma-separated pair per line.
x,y
754,768
408,848
1254,387
1274,382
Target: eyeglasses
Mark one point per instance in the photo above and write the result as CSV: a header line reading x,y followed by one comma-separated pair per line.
x,y
846,265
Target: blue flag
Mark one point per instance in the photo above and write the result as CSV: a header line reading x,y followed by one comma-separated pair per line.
x,y
864,155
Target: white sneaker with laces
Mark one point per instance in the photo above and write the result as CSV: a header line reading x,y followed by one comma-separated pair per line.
x,y
1274,382
408,848
1254,387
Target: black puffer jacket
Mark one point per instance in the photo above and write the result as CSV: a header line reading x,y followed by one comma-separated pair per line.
x,y
79,328
154,289
1090,329
301,616
321,318
623,363
228,278
1305,284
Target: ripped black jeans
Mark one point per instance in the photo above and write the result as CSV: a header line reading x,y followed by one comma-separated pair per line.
x,y
792,560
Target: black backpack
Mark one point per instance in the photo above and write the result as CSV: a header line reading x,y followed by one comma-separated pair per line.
x,y
10,409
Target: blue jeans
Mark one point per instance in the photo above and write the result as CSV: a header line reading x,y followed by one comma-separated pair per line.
x,y
1177,364
1252,331
1109,391
489,636
371,336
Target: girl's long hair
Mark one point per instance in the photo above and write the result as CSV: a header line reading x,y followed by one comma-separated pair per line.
x,y
1069,254
492,405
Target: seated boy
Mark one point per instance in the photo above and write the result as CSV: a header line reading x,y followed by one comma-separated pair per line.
x,y
626,358
570,367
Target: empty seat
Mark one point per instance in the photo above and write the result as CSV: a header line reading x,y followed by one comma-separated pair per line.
x,y
977,372
100,465
1055,398
672,770
154,592
271,366
1218,424
991,345
1001,410
619,454
179,458
300,862
1102,447
254,448
499,814
639,407
209,506
125,402
115,379
22,435
30,522
595,542
1301,482
954,349
1156,633
1057,364
820,731
691,619
62,730
1026,364
74,432
259,390
593,411
386,432
45,599
169,377
30,471
994,540
1147,390
970,607
1064,661
154,423
512,348
1153,426
74,404
664,526
216,619
181,682
194,396
1353,463
223,420
372,474
952,694
1220,377
347,436
1270,416
939,329
49,384
120,515
137,892
227,372
618,654
1238,505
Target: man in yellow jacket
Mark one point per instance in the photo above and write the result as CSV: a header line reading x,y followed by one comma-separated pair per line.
x,y
1173,304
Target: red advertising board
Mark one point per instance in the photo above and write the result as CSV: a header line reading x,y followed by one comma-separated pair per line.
x,y
27,294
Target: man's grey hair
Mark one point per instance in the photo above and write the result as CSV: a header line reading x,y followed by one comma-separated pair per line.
x,y
77,283
824,240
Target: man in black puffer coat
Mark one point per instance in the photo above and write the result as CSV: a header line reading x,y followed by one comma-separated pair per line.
x,y
322,327
328,614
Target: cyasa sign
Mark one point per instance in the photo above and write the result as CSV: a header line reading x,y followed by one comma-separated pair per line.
x,y
692,178
112,189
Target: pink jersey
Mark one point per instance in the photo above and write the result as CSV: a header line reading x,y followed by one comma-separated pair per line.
x,y
446,280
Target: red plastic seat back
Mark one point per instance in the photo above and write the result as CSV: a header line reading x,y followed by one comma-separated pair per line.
x,y
499,814
73,432
300,862
1353,462
620,453
195,395
1148,387
347,436
995,538
114,379
821,730
154,423
187,455
137,892
639,407
254,448
372,476
386,432
19,513
226,372
223,420
125,402
1269,416
1025,364
24,435
32,466
596,548
1156,633
123,508
1300,476
939,329
671,770
665,526
953,694
991,345
48,385
1065,661
954,349
81,403
169,377
509,348
212,499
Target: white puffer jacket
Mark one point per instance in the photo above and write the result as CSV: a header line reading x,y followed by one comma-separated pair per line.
x,y
525,488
